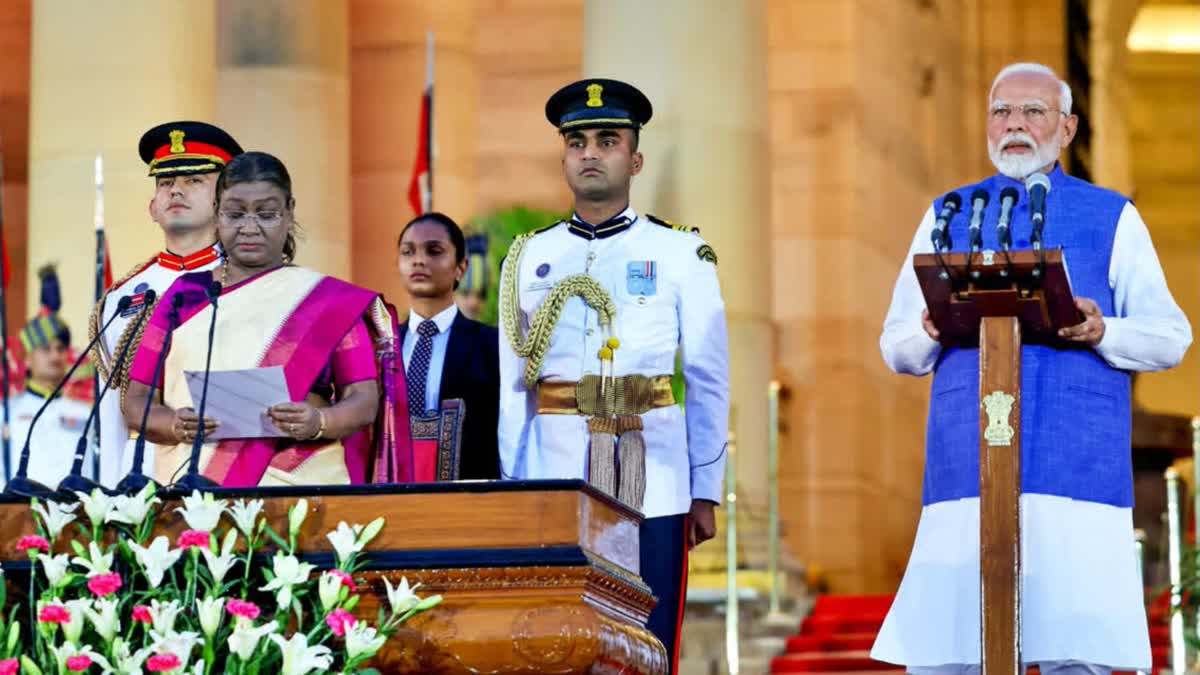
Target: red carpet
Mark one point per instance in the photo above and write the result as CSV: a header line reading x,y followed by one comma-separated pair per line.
x,y
837,636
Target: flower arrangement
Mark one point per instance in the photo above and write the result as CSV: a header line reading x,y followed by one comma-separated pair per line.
x,y
200,605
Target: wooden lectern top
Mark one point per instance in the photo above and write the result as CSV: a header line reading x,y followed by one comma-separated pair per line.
x,y
1034,287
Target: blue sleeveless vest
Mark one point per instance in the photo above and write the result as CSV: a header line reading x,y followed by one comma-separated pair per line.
x,y
1075,408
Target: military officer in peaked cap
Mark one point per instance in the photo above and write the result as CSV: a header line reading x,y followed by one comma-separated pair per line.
x,y
184,159
594,310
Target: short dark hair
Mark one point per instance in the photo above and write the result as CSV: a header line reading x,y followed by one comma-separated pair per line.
x,y
452,230
253,167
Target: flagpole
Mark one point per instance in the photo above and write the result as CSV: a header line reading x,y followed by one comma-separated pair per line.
x,y
101,252
429,116
5,441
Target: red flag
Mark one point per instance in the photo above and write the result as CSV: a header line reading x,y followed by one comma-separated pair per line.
x,y
7,261
420,187
108,275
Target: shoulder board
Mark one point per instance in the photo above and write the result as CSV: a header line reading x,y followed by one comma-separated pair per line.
x,y
547,228
674,226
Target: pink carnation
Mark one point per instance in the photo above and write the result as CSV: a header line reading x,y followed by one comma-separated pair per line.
x,y
243,609
10,667
339,620
162,663
79,663
189,538
347,580
104,584
54,614
141,614
32,541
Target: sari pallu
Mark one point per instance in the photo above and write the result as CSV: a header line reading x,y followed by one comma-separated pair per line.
x,y
326,334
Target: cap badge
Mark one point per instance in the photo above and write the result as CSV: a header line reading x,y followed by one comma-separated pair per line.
x,y
593,92
176,141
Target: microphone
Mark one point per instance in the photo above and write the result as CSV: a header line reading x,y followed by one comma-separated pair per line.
x,y
75,481
136,480
1038,186
193,480
979,201
951,203
1008,199
21,485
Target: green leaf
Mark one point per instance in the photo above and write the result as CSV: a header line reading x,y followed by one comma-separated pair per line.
x,y
79,549
369,671
14,638
371,531
352,603
29,667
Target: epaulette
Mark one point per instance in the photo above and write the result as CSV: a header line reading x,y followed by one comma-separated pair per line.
x,y
529,235
674,226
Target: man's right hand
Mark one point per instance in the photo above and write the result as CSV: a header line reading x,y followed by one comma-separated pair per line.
x,y
927,324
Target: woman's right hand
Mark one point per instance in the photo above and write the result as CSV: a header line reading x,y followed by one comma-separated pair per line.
x,y
187,424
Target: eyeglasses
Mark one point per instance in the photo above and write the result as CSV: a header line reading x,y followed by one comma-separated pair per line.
x,y
265,219
1034,113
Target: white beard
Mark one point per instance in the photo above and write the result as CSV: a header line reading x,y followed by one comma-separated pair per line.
x,y
1020,167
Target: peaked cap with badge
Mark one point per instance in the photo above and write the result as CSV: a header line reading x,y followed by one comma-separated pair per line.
x,y
185,147
598,104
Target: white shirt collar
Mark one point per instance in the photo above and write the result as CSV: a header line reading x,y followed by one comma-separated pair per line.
x,y
443,319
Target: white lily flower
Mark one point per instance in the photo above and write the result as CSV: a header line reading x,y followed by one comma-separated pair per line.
x,y
73,629
104,617
55,567
157,558
299,658
96,505
179,644
210,612
68,649
55,516
163,615
329,589
345,540
219,565
288,571
245,515
296,516
97,562
133,509
403,597
126,662
362,640
245,637
202,511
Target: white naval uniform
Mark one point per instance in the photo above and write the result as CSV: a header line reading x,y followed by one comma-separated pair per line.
x,y
1078,556
681,310
116,444
52,446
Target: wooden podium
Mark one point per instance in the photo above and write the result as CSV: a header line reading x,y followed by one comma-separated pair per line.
x,y
992,300
537,576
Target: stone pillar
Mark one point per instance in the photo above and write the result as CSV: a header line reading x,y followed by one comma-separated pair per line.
x,y
14,144
102,74
702,63
283,87
387,76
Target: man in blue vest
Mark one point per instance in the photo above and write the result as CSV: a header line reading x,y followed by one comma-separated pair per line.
x,y
1082,607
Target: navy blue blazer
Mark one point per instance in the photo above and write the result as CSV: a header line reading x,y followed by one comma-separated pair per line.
x,y
471,372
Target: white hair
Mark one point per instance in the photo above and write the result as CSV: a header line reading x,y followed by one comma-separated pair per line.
x,y
1064,89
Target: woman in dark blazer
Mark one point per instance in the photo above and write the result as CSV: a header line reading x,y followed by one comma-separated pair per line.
x,y
447,355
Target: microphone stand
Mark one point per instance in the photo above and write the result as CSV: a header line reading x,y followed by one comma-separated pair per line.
x,y
75,481
136,480
194,480
20,484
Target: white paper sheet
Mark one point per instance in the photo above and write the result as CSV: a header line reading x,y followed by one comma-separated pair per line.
x,y
239,400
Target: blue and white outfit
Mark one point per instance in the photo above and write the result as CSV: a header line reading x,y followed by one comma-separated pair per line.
x,y
1082,598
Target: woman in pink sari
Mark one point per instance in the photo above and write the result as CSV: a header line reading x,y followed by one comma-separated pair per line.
x,y
347,420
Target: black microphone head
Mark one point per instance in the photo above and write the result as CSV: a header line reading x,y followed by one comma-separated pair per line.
x,y
979,194
214,290
1037,180
953,200
1010,193
150,296
124,303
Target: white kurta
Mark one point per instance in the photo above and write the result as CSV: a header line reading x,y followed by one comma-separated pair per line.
x,y
116,446
55,437
681,311
1082,598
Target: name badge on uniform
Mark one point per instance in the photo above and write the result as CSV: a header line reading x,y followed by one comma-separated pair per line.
x,y
641,277
69,423
136,300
